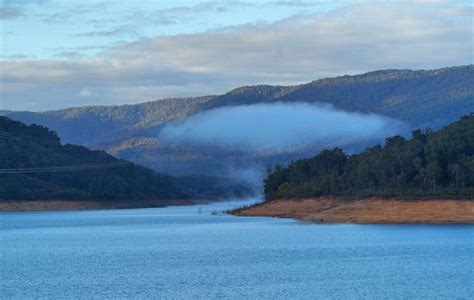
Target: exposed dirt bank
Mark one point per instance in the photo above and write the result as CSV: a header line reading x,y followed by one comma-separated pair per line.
x,y
79,205
370,210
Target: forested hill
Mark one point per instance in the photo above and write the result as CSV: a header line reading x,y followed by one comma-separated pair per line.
x,y
420,99
431,164
34,165
424,98
101,126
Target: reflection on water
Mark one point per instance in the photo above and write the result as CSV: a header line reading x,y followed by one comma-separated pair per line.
x,y
190,252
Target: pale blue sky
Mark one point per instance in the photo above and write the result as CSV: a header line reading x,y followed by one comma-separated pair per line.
x,y
57,54
62,29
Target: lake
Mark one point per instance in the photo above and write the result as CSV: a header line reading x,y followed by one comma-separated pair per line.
x,y
189,252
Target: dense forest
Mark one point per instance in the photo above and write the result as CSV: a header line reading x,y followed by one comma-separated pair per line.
x,y
435,164
420,99
34,165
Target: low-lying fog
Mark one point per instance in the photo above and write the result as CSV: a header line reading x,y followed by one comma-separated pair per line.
x,y
279,127
241,142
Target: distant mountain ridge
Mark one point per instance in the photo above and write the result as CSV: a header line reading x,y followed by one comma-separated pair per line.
x,y
416,97
425,98
102,125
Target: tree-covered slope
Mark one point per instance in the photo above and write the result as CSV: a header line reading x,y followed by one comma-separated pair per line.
x,y
424,98
421,99
430,164
34,165
103,126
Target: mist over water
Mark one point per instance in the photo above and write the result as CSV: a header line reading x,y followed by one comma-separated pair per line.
x,y
279,127
241,142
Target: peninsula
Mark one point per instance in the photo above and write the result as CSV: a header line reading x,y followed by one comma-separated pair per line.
x,y
426,179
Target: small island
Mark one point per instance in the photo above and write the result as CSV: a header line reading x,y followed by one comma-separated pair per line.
x,y
426,179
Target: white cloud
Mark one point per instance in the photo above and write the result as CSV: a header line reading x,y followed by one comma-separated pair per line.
x,y
354,38
86,93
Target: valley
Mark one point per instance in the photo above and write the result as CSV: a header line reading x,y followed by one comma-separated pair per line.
x,y
414,99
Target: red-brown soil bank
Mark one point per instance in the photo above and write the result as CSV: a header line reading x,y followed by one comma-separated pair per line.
x,y
369,210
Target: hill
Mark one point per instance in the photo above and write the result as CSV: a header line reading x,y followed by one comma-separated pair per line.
x,y
420,99
424,98
426,179
436,164
100,126
34,165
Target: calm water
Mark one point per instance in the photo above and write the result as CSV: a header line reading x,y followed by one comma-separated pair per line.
x,y
185,252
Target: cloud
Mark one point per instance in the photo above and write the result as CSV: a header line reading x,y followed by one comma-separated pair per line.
x,y
351,39
18,56
278,126
65,15
240,141
22,2
183,14
74,53
120,30
69,54
10,12
86,93
296,3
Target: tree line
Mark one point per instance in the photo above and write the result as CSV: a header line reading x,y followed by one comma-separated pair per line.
x,y
34,165
436,164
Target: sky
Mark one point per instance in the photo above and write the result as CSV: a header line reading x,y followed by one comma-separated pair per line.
x,y
58,54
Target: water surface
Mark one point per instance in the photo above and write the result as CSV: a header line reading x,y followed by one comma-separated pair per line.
x,y
186,252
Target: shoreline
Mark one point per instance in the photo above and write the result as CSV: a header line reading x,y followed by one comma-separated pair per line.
x,y
64,205
365,210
